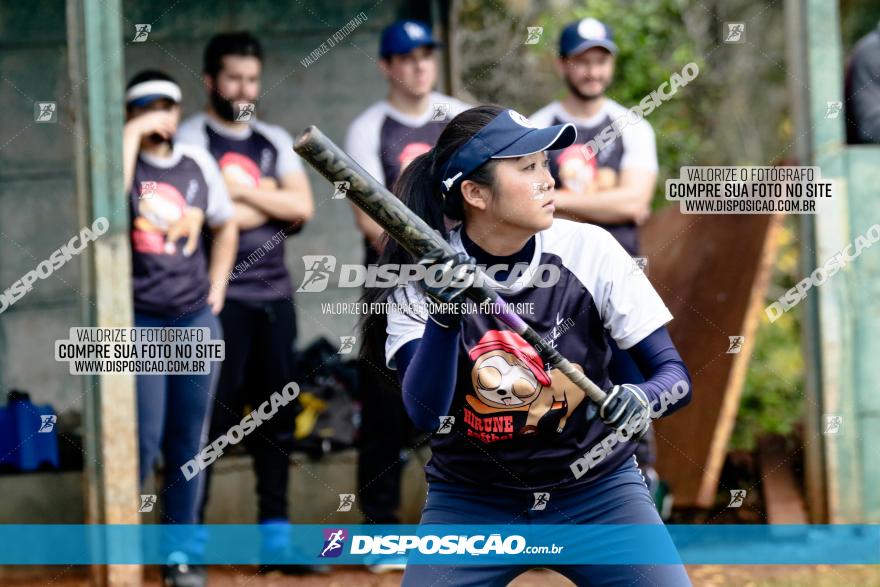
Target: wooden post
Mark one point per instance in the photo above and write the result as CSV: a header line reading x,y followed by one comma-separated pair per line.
x,y
814,457
94,41
692,445
843,326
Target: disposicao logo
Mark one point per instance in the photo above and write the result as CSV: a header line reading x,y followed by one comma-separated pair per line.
x,y
334,543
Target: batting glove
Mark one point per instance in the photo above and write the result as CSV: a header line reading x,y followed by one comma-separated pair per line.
x,y
445,280
626,408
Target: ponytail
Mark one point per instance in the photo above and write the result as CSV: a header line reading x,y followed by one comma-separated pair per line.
x,y
418,186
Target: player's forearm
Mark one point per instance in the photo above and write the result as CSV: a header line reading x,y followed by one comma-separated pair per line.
x,y
371,231
427,369
223,250
248,217
286,205
131,141
613,206
668,385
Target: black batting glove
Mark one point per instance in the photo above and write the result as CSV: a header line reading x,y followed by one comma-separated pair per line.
x,y
626,409
445,280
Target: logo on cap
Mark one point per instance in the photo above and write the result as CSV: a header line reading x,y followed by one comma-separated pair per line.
x,y
590,28
521,120
451,180
414,31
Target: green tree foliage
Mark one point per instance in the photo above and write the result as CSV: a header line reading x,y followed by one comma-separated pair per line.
x,y
733,113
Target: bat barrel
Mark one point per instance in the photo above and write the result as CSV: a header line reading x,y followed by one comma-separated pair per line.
x,y
401,223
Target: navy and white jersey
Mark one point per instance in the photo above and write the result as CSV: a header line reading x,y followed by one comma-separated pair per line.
x,y
520,424
164,281
635,148
384,140
257,151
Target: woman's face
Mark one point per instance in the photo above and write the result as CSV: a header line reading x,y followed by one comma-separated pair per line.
x,y
523,193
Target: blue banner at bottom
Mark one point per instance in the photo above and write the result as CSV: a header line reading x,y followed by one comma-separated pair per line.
x,y
447,544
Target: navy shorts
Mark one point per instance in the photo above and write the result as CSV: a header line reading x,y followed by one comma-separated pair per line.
x,y
618,498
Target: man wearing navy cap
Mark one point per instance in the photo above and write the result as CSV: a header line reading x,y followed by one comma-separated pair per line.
x,y
613,187
383,140
394,131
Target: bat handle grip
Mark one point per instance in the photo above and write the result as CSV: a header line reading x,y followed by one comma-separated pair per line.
x,y
552,356
502,311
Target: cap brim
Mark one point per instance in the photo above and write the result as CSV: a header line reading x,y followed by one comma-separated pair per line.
x,y
540,139
149,99
433,44
604,44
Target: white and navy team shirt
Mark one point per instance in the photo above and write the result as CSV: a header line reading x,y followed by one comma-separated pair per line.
x,y
258,150
165,282
635,148
384,140
518,422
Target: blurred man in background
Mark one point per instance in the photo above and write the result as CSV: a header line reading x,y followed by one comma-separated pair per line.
x,y
614,187
272,200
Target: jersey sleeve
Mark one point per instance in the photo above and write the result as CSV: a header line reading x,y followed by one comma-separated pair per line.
x,y
407,316
629,306
192,132
219,203
544,116
287,161
457,106
639,147
219,208
362,144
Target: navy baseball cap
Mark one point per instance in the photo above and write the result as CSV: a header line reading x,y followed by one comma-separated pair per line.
x,y
404,36
510,134
586,34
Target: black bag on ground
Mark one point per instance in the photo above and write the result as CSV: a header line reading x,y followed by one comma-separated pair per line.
x,y
328,417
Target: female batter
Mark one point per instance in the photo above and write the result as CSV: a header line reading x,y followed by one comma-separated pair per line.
x,y
525,445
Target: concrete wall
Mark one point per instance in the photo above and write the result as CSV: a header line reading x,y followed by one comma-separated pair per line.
x,y
38,206
313,493
38,210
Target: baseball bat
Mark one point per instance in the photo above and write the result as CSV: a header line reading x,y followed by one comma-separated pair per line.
x,y
413,234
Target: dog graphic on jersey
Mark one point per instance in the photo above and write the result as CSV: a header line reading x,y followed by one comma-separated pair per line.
x,y
508,377
242,170
410,152
584,175
155,215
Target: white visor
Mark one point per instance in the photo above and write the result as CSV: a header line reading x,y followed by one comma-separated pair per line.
x,y
148,91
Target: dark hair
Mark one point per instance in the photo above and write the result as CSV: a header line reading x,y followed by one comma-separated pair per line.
x,y
419,188
241,43
419,185
149,75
